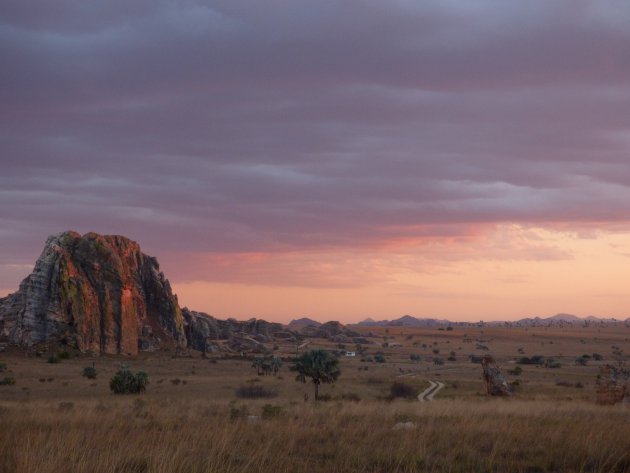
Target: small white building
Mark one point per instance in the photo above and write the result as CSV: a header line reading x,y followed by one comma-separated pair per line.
x,y
351,353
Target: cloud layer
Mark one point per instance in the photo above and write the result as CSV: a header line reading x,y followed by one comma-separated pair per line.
x,y
240,127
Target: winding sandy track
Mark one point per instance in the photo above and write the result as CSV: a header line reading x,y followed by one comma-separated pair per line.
x,y
429,393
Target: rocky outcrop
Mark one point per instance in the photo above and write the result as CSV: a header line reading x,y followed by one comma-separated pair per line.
x,y
613,384
330,330
250,335
495,383
98,293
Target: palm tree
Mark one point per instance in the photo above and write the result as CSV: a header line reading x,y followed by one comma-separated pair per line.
x,y
258,364
318,365
276,364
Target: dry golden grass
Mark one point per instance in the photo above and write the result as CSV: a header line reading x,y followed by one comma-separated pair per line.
x,y
54,420
133,435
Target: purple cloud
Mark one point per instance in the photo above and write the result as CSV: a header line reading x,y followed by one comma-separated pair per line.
x,y
241,126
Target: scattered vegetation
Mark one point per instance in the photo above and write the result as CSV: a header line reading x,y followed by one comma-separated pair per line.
x,y
267,365
64,355
516,371
126,382
533,360
89,372
582,360
3,367
7,381
379,358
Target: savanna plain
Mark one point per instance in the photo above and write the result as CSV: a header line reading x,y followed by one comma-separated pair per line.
x,y
215,413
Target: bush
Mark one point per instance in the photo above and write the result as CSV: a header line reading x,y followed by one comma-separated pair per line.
x,y
53,359
255,392
64,355
125,382
534,360
516,371
402,390
379,358
551,363
89,372
8,381
581,361
597,357
3,367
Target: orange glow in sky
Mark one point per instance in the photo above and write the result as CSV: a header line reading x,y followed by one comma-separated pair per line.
x,y
507,273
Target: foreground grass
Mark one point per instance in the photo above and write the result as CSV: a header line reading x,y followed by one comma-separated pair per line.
x,y
134,434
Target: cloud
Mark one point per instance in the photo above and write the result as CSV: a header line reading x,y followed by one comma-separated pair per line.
x,y
233,127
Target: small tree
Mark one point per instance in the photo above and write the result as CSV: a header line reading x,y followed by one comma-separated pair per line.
x,y
258,363
126,382
318,365
276,364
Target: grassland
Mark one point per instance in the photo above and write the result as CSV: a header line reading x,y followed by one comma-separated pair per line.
x,y
190,419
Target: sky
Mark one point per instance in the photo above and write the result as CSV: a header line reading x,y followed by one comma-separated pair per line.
x,y
339,160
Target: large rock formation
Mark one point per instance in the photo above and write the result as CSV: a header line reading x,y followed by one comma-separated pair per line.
x,y
99,293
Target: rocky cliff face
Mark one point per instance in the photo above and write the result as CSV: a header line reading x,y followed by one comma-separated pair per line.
x,y
202,328
100,293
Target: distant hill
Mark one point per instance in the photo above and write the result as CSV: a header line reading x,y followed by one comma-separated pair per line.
x,y
554,320
297,324
404,321
562,319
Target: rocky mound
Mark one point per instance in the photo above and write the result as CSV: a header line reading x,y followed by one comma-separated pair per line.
x,y
98,293
250,335
333,330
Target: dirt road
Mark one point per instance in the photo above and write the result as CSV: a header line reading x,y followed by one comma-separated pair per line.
x,y
429,393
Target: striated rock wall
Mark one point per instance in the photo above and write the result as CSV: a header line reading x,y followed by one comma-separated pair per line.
x,y
100,293
201,328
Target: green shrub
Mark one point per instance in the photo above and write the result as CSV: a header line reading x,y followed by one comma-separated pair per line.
x,y
7,381
89,372
53,359
3,367
379,358
64,355
582,360
516,371
126,382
